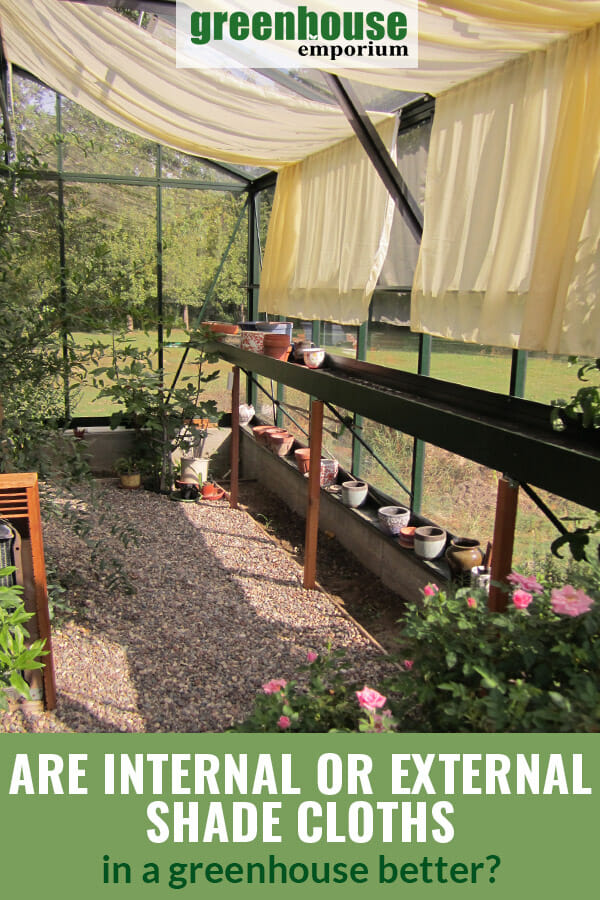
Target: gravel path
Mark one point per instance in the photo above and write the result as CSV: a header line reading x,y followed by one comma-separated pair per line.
x,y
219,610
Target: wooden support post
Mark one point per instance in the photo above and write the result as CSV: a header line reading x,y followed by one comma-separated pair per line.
x,y
235,438
314,493
504,538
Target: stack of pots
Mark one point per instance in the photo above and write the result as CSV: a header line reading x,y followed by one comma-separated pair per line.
x,y
279,441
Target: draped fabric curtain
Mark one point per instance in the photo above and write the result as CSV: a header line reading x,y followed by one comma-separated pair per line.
x,y
512,210
328,235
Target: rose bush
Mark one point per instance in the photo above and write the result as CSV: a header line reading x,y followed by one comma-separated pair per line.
x,y
535,667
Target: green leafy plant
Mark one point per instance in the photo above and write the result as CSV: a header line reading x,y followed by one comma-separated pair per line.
x,y
126,465
584,405
157,414
324,700
534,668
16,656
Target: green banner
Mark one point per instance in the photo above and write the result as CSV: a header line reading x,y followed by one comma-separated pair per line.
x,y
244,815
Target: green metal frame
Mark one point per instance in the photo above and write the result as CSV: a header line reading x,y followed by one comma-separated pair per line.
x,y
501,432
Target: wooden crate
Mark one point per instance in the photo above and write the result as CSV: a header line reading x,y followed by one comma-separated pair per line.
x,y
20,505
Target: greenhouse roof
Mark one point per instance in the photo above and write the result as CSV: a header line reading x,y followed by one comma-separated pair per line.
x,y
127,75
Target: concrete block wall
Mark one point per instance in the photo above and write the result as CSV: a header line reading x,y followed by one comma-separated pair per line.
x,y
357,531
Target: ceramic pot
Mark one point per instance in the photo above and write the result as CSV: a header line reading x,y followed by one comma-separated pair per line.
x,y
280,442
430,541
194,469
329,472
223,327
354,493
276,328
463,554
302,457
253,341
406,537
480,578
212,491
393,518
246,413
313,357
277,346
130,480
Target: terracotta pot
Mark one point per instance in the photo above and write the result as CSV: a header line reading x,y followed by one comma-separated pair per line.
x,y
277,346
253,341
302,456
463,554
393,518
280,442
259,432
406,537
212,491
354,493
430,541
223,327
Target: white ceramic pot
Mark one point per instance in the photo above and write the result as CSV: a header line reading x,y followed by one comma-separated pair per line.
x,y
354,493
393,518
194,469
429,541
313,357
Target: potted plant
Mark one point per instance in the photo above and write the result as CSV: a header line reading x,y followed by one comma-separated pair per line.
x,y
128,470
160,418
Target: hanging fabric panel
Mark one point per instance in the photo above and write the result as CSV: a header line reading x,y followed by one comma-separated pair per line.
x,y
509,250
328,235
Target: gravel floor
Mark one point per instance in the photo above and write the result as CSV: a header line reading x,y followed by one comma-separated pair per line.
x,y
219,610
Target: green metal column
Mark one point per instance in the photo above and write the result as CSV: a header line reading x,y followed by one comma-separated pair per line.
x,y
315,334
361,353
62,258
159,263
253,276
518,373
418,463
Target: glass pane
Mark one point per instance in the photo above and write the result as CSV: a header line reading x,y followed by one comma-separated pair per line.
x,y
35,119
95,146
394,347
473,365
197,228
180,165
110,235
395,450
551,377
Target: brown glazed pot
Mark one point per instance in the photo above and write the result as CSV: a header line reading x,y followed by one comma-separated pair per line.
x,y
463,554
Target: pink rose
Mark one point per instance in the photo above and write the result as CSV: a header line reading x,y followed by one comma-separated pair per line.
x,y
570,602
408,663
284,721
472,602
522,599
275,685
311,656
368,698
430,590
525,582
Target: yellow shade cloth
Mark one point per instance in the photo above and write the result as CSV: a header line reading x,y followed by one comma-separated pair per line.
x,y
328,235
509,254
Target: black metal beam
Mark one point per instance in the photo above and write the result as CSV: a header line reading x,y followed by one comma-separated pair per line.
x,y
377,152
503,433
269,179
